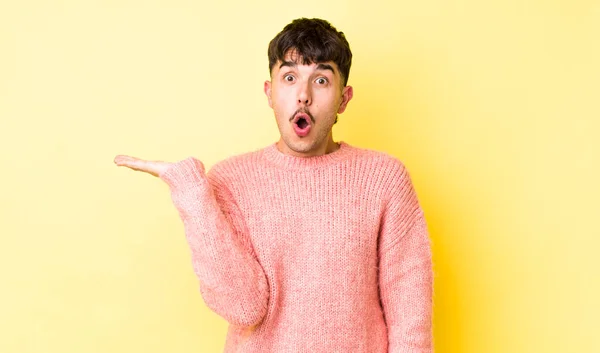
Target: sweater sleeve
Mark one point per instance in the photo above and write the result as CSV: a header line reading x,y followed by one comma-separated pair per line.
x,y
405,270
232,281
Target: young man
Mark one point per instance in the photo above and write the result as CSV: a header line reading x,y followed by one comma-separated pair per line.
x,y
307,245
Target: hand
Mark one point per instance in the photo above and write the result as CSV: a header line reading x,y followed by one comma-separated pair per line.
x,y
151,167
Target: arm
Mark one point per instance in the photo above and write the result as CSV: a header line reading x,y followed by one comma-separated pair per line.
x,y
405,270
232,282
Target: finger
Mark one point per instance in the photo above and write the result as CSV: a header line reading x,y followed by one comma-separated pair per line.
x,y
122,159
130,162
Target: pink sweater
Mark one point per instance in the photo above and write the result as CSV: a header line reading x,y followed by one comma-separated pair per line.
x,y
321,254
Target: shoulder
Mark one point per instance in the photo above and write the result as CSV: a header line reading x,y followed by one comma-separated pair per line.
x,y
380,160
389,173
234,167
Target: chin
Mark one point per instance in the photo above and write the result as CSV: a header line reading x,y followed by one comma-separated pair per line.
x,y
299,146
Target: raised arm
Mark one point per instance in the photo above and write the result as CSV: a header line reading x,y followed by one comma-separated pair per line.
x,y
232,281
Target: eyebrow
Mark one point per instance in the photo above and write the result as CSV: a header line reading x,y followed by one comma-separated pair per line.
x,y
319,66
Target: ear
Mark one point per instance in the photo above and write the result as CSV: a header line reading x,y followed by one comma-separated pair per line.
x,y
267,90
347,94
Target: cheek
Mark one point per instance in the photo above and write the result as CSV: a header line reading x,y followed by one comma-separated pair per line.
x,y
279,99
329,103
279,107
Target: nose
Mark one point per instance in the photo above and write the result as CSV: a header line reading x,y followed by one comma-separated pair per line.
x,y
304,94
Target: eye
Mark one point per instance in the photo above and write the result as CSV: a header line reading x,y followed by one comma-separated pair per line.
x,y
288,78
321,80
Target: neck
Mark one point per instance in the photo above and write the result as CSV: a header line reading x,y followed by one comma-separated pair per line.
x,y
325,148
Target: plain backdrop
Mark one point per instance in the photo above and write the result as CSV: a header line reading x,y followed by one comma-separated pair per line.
x,y
492,106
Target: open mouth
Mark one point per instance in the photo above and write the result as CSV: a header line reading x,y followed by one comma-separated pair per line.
x,y
302,123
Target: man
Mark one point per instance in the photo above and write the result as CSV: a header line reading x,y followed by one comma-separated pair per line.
x,y
307,245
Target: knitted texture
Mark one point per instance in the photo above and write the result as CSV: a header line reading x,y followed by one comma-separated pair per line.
x,y
319,254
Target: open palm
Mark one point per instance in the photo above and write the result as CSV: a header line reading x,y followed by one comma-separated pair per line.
x,y
155,168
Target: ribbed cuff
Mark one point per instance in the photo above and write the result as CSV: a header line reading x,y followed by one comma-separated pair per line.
x,y
189,171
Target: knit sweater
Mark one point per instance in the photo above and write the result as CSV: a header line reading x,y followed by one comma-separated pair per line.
x,y
327,253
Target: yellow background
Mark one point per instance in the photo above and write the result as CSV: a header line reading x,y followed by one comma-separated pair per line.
x,y
492,105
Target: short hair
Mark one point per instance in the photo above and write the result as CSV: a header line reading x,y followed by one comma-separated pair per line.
x,y
315,41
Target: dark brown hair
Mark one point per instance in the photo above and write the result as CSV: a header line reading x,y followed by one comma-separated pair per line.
x,y
315,41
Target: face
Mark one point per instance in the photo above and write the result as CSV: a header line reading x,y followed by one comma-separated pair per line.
x,y
306,100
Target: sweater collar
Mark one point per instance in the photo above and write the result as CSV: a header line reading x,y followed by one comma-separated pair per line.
x,y
286,161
